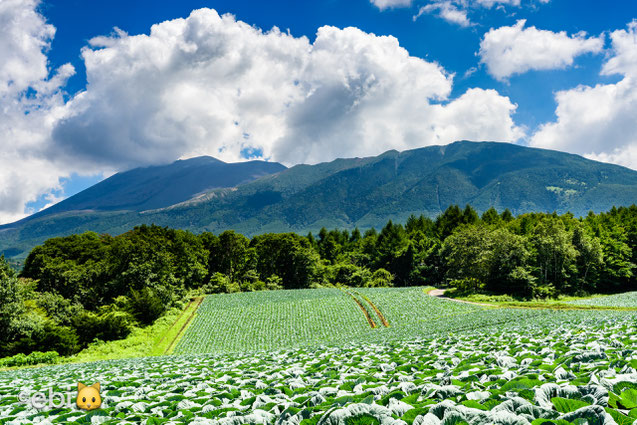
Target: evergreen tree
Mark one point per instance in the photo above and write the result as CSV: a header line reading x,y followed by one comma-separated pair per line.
x,y
506,215
491,217
447,222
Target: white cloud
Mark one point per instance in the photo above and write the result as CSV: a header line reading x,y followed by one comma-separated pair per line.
x,y
624,59
446,10
389,4
491,3
457,11
599,122
507,51
24,36
212,85
30,103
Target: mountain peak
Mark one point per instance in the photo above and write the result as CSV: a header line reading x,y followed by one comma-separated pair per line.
x,y
204,159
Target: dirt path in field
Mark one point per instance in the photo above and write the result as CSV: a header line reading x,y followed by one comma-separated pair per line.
x,y
367,316
440,293
176,321
436,292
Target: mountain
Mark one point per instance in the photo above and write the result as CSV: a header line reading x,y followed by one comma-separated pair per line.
x,y
155,187
363,192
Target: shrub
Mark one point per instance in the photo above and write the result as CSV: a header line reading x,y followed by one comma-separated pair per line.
x,y
106,326
58,308
273,282
115,325
147,305
62,339
467,285
350,275
544,291
220,283
36,357
381,278
19,359
250,282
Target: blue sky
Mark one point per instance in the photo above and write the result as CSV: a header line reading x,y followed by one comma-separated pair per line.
x,y
457,63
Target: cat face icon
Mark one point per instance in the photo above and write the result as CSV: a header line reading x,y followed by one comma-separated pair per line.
x,y
88,398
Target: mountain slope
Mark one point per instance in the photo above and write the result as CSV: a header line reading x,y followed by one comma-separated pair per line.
x,y
154,187
366,192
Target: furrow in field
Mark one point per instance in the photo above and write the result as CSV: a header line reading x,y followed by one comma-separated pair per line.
x,y
380,315
360,303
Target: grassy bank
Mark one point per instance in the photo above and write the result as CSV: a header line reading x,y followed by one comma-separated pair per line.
x,y
154,340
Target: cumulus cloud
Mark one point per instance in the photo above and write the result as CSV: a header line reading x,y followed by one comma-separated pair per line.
x,y
624,58
30,104
599,121
210,84
507,51
388,4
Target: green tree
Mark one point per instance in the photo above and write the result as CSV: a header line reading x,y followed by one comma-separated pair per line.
x,y
288,256
330,244
16,321
555,254
429,267
617,269
394,253
420,224
491,217
506,215
448,221
230,255
468,253
510,269
589,259
469,215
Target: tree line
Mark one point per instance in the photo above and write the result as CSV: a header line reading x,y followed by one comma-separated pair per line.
x,y
75,289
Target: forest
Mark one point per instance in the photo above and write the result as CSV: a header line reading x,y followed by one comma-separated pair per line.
x,y
77,289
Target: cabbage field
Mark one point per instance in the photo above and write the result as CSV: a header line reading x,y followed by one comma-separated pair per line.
x,y
627,299
437,362
297,318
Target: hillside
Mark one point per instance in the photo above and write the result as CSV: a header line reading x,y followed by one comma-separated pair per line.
x,y
154,187
361,192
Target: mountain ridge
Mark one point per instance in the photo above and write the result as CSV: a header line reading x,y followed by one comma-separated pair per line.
x,y
366,192
152,187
